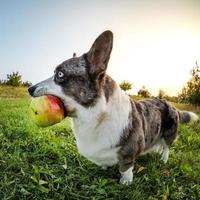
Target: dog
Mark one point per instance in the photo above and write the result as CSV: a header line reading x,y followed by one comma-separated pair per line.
x,y
110,128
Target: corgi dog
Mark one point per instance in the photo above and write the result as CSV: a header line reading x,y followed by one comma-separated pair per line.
x,y
110,128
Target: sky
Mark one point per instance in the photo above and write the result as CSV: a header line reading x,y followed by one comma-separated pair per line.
x,y
156,43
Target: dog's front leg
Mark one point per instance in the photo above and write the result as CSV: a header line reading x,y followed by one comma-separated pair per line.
x,y
126,169
127,155
127,176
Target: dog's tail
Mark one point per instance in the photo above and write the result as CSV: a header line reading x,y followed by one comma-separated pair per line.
x,y
186,117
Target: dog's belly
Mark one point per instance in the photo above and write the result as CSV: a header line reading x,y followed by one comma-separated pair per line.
x,y
103,157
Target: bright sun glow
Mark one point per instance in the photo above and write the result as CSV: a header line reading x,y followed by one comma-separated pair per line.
x,y
160,63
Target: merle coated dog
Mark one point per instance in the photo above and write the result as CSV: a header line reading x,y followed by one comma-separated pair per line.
x,y
110,128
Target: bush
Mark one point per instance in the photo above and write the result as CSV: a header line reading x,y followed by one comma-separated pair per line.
x,y
191,91
143,92
125,85
27,84
171,98
161,94
15,79
2,82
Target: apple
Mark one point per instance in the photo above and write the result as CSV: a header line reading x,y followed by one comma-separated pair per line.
x,y
46,110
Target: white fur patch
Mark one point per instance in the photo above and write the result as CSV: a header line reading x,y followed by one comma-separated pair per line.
x,y
127,176
160,147
194,117
165,155
48,86
96,139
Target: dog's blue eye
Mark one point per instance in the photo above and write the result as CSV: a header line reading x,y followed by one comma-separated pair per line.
x,y
60,74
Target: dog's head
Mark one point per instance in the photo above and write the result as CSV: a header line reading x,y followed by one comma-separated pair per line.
x,y
79,80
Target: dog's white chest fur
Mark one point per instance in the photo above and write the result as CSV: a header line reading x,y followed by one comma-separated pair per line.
x,y
97,148
97,130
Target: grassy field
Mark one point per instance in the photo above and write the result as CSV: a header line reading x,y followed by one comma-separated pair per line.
x,y
43,163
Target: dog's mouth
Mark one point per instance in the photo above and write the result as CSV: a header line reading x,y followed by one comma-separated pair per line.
x,y
64,108
59,101
67,111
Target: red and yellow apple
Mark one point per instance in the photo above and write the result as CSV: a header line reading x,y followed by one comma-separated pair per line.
x,y
46,110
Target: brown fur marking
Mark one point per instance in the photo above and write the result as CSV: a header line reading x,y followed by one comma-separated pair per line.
x,y
101,118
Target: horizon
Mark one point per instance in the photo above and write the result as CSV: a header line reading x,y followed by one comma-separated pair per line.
x,y
156,44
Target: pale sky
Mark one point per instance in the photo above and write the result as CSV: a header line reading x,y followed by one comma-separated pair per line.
x,y
156,43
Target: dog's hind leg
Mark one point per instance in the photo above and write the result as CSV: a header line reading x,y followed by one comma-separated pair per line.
x,y
104,167
167,141
158,148
170,126
165,153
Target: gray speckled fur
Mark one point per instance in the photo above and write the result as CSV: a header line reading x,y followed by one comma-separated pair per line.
x,y
184,117
77,82
84,77
75,66
149,121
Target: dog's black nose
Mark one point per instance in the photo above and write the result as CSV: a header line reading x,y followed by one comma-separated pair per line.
x,y
31,90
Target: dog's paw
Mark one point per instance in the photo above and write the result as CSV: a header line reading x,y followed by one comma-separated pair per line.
x,y
127,176
126,180
165,155
104,167
164,159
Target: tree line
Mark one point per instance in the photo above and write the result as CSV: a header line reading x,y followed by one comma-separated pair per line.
x,y
190,92
144,92
15,79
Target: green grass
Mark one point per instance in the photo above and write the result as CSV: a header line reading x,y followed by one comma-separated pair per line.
x,y
43,163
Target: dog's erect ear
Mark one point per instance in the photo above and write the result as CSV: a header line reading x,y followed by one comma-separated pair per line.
x,y
99,54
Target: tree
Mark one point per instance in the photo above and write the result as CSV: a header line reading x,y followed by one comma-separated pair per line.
x,y
143,92
1,82
125,85
27,84
191,91
161,94
14,79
